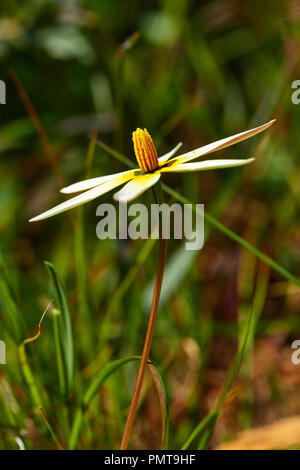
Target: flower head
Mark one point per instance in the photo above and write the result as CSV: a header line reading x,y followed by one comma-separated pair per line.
x,y
144,150
150,169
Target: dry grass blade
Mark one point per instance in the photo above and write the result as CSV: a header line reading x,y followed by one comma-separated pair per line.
x,y
33,338
163,404
38,125
29,377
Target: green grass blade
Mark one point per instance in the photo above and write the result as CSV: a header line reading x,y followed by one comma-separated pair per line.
x,y
59,350
50,429
247,335
123,288
80,250
103,375
9,311
203,423
68,338
98,381
92,390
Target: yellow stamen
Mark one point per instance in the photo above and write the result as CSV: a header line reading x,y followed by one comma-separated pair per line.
x,y
144,150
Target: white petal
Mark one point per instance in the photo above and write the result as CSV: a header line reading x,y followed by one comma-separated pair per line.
x,y
220,144
91,183
206,165
85,197
136,187
165,158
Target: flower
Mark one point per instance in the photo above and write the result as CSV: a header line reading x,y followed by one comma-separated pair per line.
x,y
150,170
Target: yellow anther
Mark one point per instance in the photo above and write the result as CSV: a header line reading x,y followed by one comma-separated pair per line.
x,y
144,150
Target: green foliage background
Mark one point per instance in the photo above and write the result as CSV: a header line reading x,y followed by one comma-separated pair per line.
x,y
187,71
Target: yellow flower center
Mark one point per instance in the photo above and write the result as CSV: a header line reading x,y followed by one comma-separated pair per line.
x,y
144,150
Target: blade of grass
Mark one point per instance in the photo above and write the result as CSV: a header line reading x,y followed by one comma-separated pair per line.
x,y
6,409
91,392
119,156
247,335
10,314
123,288
121,54
50,429
56,315
80,254
67,333
38,125
98,381
162,395
203,423
9,426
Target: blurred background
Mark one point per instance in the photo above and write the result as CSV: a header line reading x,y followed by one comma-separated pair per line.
x,y
187,71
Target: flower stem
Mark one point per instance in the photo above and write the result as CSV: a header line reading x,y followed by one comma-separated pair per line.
x,y
163,245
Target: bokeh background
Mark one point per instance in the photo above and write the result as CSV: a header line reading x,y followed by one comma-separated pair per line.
x,y
190,71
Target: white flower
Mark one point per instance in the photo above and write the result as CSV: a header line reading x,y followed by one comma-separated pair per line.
x,y
150,170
